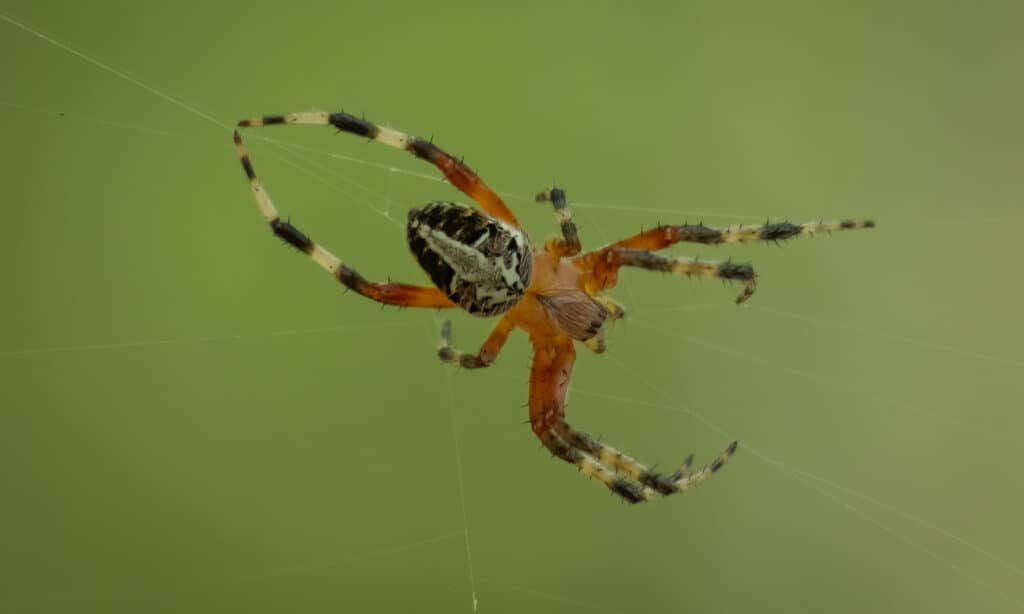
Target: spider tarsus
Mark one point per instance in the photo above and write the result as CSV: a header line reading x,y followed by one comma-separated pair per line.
x,y
748,291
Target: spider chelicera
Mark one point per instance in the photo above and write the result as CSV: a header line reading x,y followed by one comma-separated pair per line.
x,y
484,263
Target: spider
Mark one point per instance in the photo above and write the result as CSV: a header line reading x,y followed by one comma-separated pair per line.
x,y
484,263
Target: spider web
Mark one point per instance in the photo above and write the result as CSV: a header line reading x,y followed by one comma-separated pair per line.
x,y
983,563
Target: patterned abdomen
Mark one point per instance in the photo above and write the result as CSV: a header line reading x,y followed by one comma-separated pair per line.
x,y
483,264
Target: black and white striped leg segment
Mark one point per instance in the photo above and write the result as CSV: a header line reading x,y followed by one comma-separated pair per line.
x,y
769,231
630,470
661,237
691,267
388,294
626,477
569,244
284,230
590,466
342,121
487,354
622,474
457,173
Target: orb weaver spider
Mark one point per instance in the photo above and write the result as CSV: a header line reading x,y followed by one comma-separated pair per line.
x,y
484,263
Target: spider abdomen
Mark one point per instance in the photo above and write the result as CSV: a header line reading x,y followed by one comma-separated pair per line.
x,y
483,264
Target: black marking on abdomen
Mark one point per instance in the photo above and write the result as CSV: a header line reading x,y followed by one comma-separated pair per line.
x,y
292,236
355,125
440,273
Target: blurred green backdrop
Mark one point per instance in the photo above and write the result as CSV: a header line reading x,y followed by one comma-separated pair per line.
x,y
196,419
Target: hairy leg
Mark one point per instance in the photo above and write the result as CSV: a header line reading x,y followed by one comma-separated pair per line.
x,y
661,237
569,244
600,270
387,293
457,173
620,473
488,352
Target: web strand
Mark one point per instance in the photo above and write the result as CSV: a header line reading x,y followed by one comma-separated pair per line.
x,y
117,73
806,478
748,357
938,347
196,340
461,481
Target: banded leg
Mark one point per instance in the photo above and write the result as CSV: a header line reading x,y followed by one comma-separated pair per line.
x,y
488,352
652,481
661,237
553,360
457,173
569,244
388,294
620,473
600,270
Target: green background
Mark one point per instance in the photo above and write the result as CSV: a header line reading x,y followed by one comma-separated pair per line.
x,y
195,419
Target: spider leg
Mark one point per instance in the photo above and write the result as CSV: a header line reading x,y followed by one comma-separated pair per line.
x,y
620,473
599,270
569,244
661,237
488,352
456,171
596,344
615,309
386,293
626,465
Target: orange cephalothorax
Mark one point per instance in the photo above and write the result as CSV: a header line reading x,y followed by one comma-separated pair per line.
x,y
483,262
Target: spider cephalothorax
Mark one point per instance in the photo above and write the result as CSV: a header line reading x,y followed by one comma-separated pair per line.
x,y
483,262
